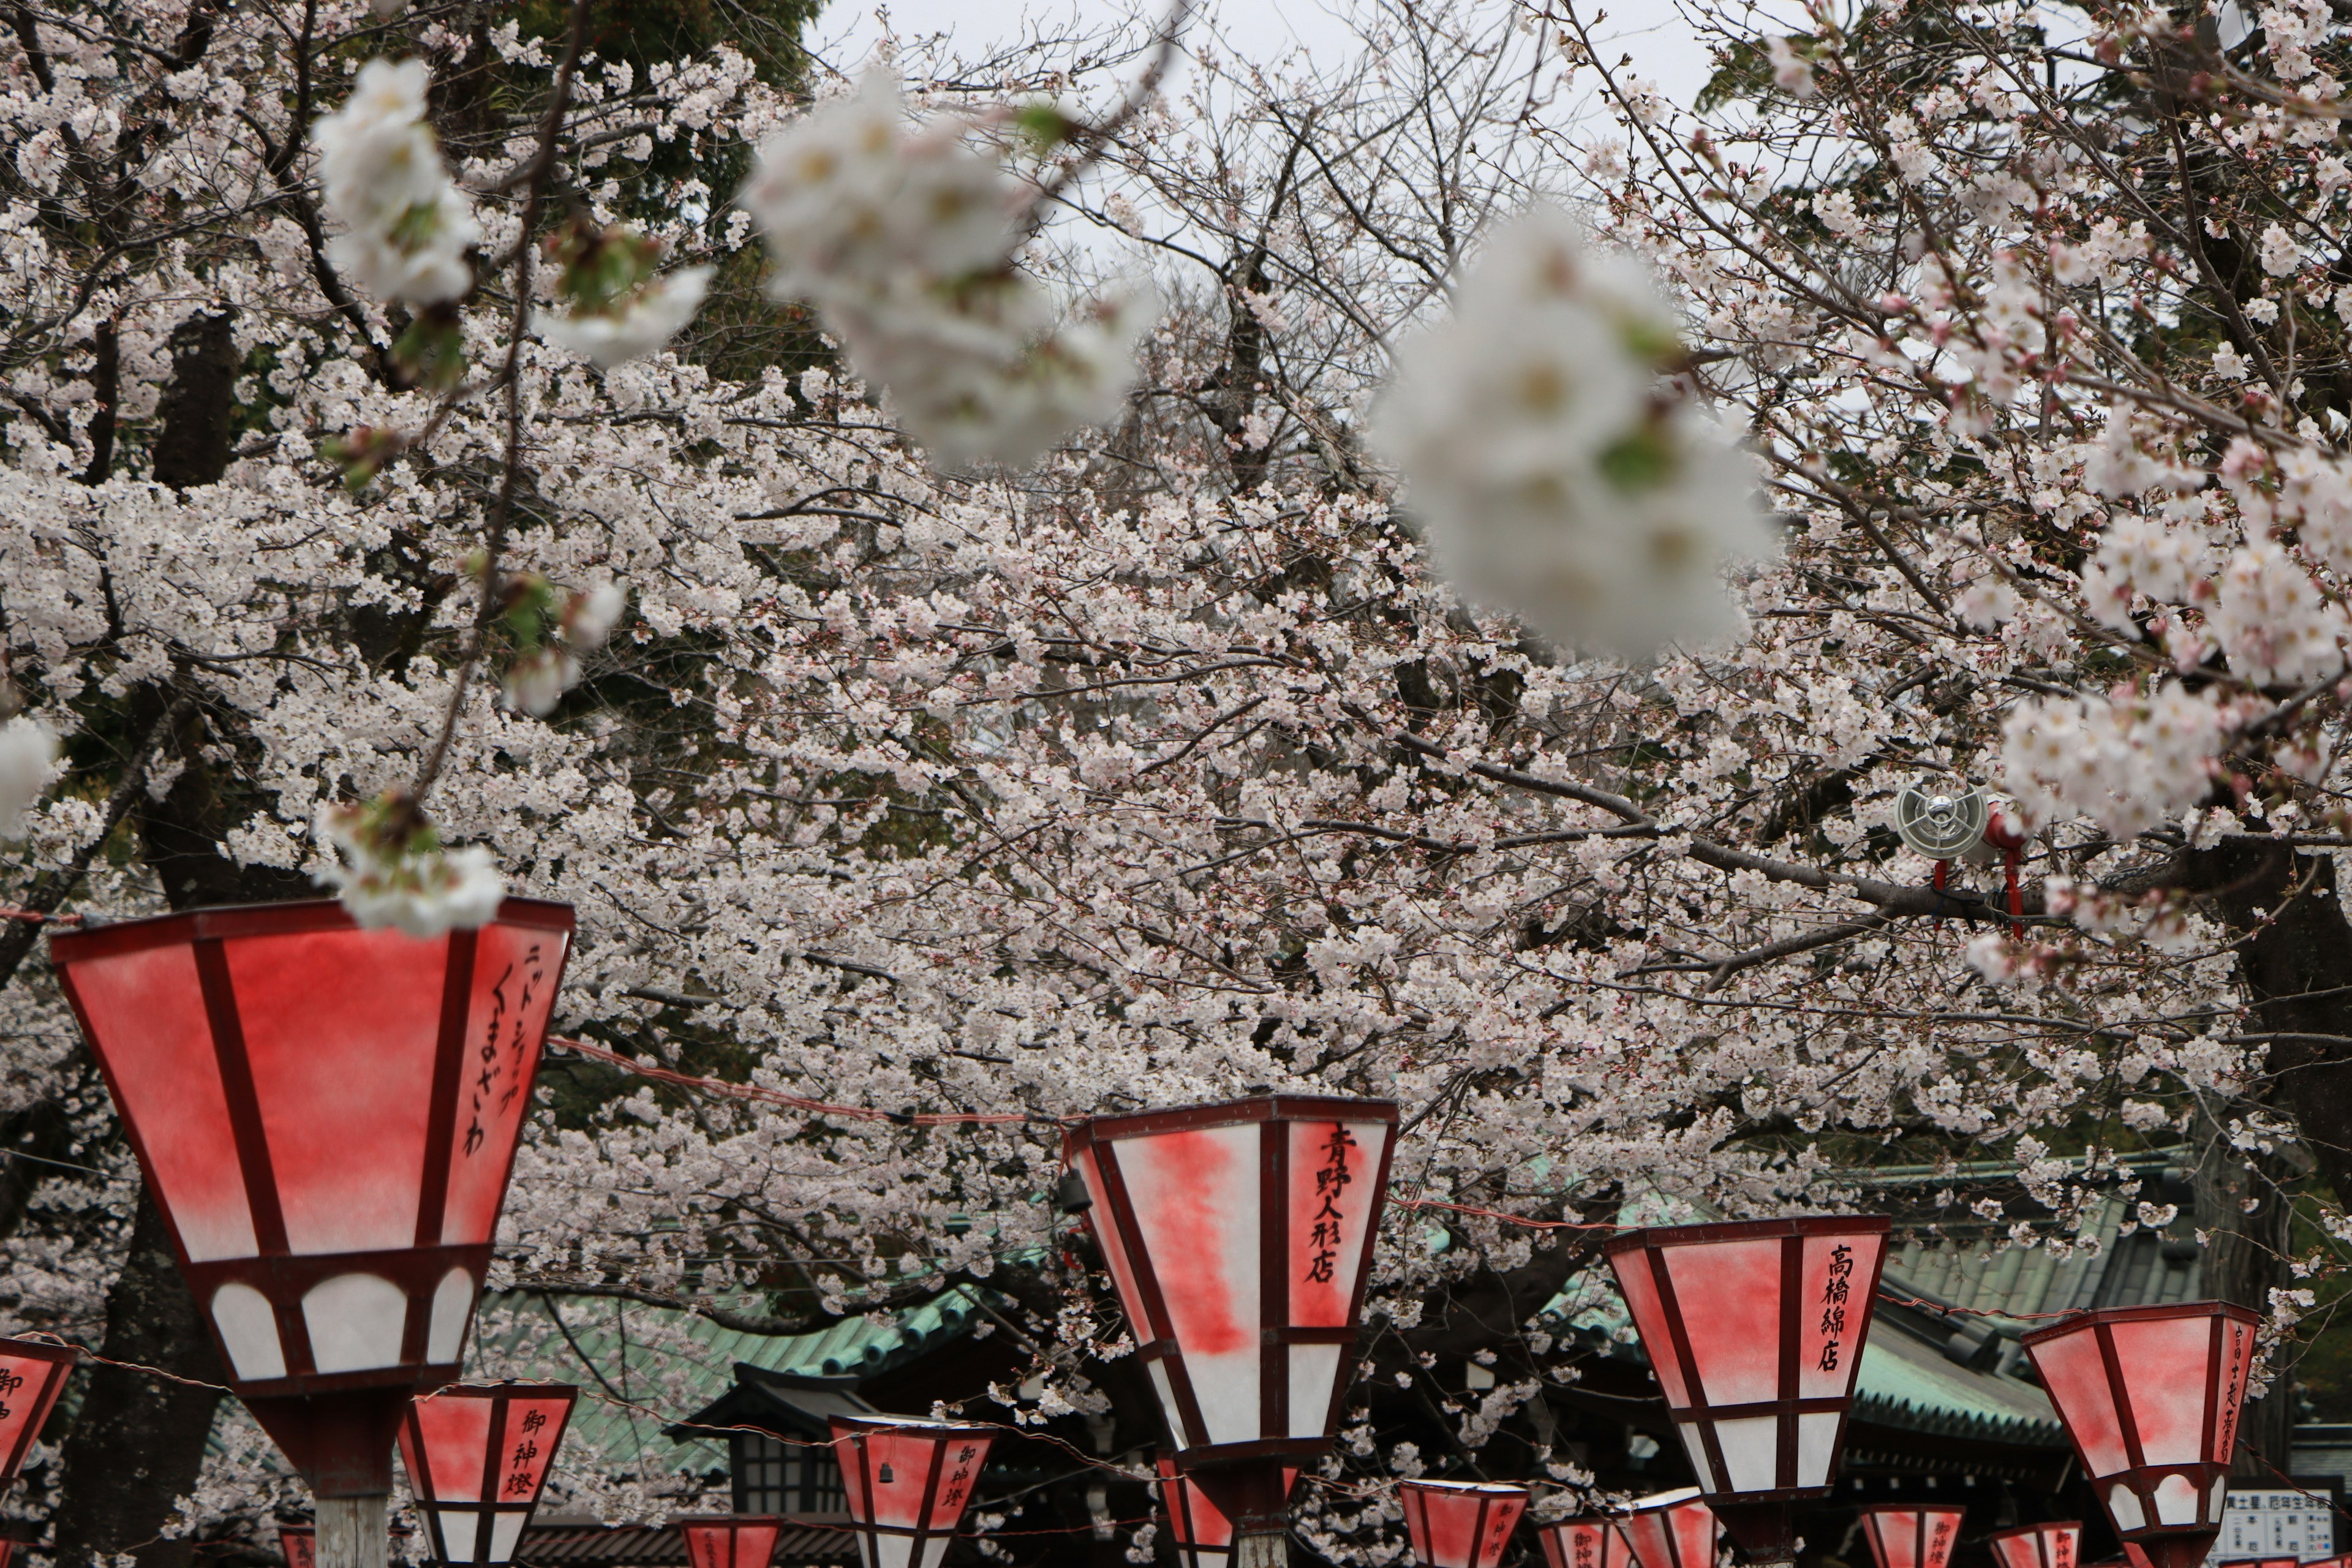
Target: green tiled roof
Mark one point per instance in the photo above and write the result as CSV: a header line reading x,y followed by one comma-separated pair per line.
x,y
1909,1384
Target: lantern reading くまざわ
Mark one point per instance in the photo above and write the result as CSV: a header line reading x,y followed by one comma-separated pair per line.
x,y
1238,1237
1460,1525
2150,1397
1907,1535
731,1539
2054,1545
907,1484
326,1117
477,1457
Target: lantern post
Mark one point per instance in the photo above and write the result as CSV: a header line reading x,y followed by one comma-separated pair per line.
x,y
478,1456
1672,1530
1906,1535
2054,1545
32,1376
1240,1236
731,1539
326,1117
907,1484
1755,1331
1585,1544
2150,1397
1460,1525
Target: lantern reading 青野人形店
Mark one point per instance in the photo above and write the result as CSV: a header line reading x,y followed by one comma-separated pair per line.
x,y
326,1117
477,1457
2151,1397
1460,1525
907,1484
731,1539
1755,1331
1586,1542
1672,1529
2057,1545
1909,1535
1238,1237
32,1376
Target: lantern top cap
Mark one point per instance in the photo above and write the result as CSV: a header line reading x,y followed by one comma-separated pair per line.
x,y
2035,1529
293,917
686,1519
909,1424
1233,1113
504,1385
40,1347
1749,1230
1500,1489
1656,1500
2075,1321
1916,1508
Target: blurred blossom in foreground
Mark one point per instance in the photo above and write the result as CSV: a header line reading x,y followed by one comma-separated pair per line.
x,y
407,226
620,310
545,670
1551,476
394,872
904,240
28,761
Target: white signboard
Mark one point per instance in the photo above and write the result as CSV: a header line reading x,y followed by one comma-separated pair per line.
x,y
2274,1522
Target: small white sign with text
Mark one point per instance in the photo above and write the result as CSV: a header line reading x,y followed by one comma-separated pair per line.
x,y
2263,1521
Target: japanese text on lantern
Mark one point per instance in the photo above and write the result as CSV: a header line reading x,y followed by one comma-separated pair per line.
x,y
1585,1556
1331,1179
960,1480
10,1381
493,1068
1833,1302
1936,1548
522,1479
2225,1430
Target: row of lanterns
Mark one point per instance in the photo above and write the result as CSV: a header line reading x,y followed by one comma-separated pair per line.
x,y
327,1118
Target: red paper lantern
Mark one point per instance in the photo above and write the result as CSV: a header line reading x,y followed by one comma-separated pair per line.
x,y
477,1457
1460,1525
2056,1545
32,1376
1756,1331
1904,1535
1203,1535
326,1117
1585,1544
1239,1237
2275,1563
907,1484
731,1539
1672,1530
2150,1397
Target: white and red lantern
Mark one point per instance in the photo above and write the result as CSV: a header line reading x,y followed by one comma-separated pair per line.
x,y
1672,1530
326,1117
1585,1544
2150,1397
1906,1535
1755,1331
731,1539
1203,1535
2054,1545
477,1457
1460,1525
1239,1237
907,1484
2277,1563
32,1376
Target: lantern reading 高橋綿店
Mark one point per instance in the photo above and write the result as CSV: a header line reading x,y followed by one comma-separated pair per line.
x,y
1755,1331
1585,1544
1907,1535
1460,1525
731,1539
32,1375
477,1457
326,1117
1672,1529
1239,1237
2150,1397
907,1484
1203,1535
2054,1545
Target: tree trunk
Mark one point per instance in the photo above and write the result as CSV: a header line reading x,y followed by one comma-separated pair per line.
x,y
138,1440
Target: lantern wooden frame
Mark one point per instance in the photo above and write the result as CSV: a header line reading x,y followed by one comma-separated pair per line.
x,y
268,1160
1912,1535
1203,1534
1672,1530
519,1426
944,1495
748,1540
2055,1544
1460,1525
33,1376
2167,1500
1588,1543
1763,1430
